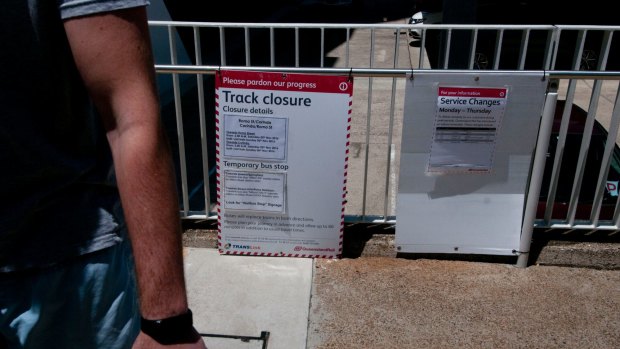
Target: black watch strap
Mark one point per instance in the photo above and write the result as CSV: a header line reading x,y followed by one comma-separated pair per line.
x,y
177,329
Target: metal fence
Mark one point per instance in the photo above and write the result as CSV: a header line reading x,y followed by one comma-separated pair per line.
x,y
580,161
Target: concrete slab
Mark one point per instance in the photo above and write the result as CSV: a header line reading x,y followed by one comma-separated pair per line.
x,y
236,300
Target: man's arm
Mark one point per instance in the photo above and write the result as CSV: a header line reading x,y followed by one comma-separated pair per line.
x,y
113,54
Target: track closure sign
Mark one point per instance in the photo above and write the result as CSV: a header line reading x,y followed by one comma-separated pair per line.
x,y
282,152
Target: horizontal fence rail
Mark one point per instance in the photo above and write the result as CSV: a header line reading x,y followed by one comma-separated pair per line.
x,y
580,167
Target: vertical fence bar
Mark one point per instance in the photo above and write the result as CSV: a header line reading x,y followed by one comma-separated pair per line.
x,y
551,48
222,47
388,166
179,120
498,49
347,47
422,50
611,138
296,47
447,48
322,47
472,50
246,34
583,151
610,144
581,40
525,37
368,115
203,126
272,47
605,47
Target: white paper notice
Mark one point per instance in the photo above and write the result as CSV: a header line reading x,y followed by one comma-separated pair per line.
x,y
466,125
256,191
255,137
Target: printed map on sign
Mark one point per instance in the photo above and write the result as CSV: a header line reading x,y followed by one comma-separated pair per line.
x,y
467,120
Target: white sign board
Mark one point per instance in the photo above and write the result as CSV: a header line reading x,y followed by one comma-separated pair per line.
x,y
282,145
468,143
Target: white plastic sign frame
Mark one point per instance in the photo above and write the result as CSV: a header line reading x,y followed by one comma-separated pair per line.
x,y
465,161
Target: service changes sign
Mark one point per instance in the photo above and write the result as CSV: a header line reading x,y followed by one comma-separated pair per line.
x,y
467,150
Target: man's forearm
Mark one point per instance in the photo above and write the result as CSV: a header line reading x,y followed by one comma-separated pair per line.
x,y
112,52
146,182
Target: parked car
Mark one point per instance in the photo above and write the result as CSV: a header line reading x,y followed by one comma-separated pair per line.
x,y
569,165
423,17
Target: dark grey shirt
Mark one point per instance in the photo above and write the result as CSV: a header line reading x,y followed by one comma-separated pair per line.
x,y
58,197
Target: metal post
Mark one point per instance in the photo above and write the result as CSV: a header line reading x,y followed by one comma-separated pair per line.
x,y
538,168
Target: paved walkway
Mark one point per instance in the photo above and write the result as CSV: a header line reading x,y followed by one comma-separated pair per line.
x,y
237,297
387,302
380,302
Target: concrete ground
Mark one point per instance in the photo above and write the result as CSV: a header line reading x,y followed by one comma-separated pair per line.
x,y
568,297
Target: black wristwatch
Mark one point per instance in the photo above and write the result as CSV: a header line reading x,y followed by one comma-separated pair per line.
x,y
178,329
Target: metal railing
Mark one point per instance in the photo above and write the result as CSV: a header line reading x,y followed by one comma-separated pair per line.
x,y
580,61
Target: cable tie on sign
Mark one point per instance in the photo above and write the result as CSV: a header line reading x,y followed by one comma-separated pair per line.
x,y
351,74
